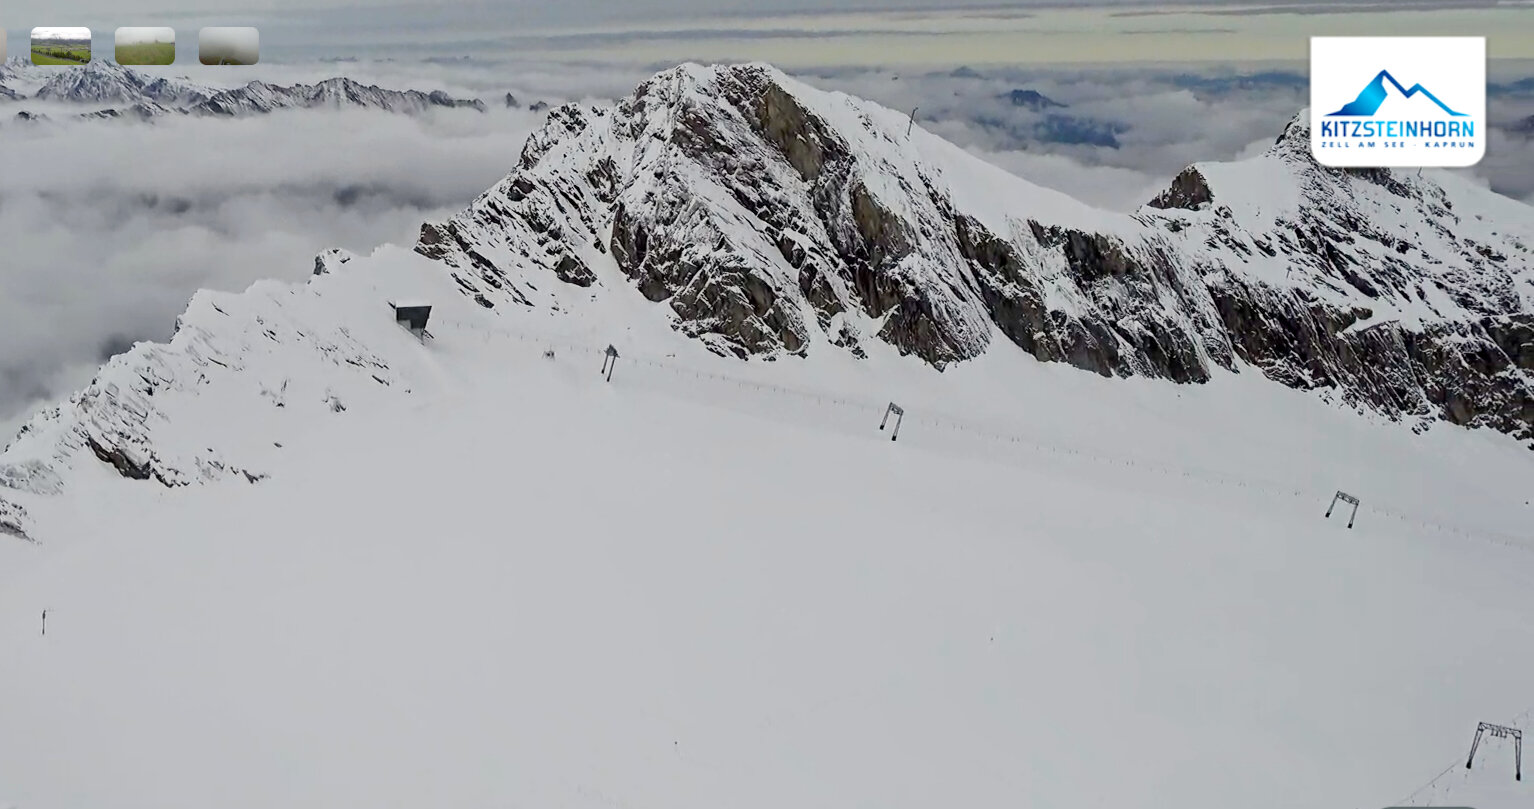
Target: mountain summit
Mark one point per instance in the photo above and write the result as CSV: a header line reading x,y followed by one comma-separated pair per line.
x,y
770,217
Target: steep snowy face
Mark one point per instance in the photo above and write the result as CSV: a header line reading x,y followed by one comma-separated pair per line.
x,y
1413,294
18,78
769,217
175,92
98,82
218,400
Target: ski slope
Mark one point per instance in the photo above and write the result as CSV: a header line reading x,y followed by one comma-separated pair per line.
x,y
499,580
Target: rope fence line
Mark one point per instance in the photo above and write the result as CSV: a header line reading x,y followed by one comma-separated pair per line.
x,y
939,420
960,424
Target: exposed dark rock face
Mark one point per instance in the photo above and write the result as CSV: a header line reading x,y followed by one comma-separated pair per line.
x,y
13,520
118,458
331,260
768,217
1189,190
1392,298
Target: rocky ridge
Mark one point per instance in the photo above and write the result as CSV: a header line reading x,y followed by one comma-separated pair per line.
x,y
770,216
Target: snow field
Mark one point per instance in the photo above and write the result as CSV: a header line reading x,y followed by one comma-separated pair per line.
x,y
521,585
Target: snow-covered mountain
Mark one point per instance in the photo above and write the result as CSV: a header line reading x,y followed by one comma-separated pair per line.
x,y
338,93
766,214
470,570
99,82
146,96
768,219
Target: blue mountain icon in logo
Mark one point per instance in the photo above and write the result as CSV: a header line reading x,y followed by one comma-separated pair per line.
x,y
1369,101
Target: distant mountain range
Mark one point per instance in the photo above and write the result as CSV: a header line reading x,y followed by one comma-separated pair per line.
x,y
134,94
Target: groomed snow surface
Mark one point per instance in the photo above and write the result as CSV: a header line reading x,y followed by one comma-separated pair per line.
x,y
711,583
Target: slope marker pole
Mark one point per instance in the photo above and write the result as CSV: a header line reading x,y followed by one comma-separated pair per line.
x,y
609,361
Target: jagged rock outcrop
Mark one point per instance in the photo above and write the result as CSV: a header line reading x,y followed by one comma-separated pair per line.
x,y
331,260
1189,190
13,520
1403,294
769,216
142,111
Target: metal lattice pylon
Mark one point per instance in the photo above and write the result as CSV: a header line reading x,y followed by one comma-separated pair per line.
x,y
1346,498
899,416
1501,732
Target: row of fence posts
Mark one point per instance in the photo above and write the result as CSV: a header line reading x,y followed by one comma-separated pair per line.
x,y
610,356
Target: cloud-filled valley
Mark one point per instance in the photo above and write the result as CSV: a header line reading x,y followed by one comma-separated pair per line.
x,y
110,226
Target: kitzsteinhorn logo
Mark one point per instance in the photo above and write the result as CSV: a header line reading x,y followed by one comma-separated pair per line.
x,y
1422,101
1368,103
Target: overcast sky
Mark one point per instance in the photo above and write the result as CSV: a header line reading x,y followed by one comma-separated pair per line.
x,y
239,45
803,32
46,33
141,36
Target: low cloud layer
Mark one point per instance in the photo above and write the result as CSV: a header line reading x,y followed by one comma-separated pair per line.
x,y
1112,138
110,226
1123,134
